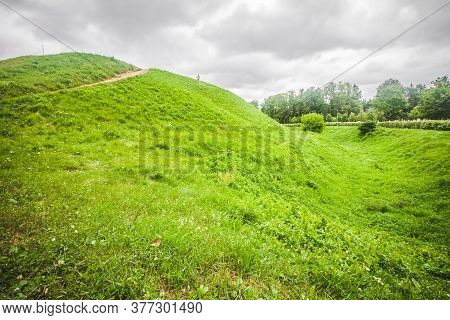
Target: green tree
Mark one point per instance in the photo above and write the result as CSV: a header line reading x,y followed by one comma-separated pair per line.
x,y
277,107
367,104
413,96
329,91
441,82
314,100
343,97
389,83
434,102
390,101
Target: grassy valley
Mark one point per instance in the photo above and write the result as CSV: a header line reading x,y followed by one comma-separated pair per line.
x,y
161,186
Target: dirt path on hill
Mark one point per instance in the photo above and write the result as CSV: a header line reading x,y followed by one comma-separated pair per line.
x,y
120,76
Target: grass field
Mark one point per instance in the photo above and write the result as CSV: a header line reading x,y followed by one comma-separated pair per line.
x,y
161,186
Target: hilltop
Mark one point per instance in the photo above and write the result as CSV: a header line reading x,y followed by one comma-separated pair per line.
x,y
34,74
162,186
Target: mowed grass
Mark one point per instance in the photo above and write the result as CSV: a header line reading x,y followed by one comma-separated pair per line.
x,y
34,74
244,208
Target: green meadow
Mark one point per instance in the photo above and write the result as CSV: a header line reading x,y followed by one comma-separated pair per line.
x,y
162,186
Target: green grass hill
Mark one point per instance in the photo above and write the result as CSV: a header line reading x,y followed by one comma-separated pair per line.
x,y
162,186
33,74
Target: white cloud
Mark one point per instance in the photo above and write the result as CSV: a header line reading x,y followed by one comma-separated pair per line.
x,y
254,48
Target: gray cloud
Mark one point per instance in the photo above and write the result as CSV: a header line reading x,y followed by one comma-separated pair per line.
x,y
254,48
306,27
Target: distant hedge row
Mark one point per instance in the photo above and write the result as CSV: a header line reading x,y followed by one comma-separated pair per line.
x,y
405,124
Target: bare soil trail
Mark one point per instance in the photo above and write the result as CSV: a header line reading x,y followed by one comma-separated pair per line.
x,y
128,74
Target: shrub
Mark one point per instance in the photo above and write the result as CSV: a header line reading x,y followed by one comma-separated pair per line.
x,y
415,114
352,117
343,117
372,114
367,127
362,116
294,120
329,118
312,122
343,124
443,125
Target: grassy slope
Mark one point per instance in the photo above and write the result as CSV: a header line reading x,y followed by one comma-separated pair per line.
x,y
33,74
244,208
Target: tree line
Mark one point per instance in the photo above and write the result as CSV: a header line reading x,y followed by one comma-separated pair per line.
x,y
343,102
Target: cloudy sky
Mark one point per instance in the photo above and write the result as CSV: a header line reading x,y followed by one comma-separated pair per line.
x,y
253,48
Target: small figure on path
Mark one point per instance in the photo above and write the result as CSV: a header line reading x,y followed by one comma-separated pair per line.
x,y
198,77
